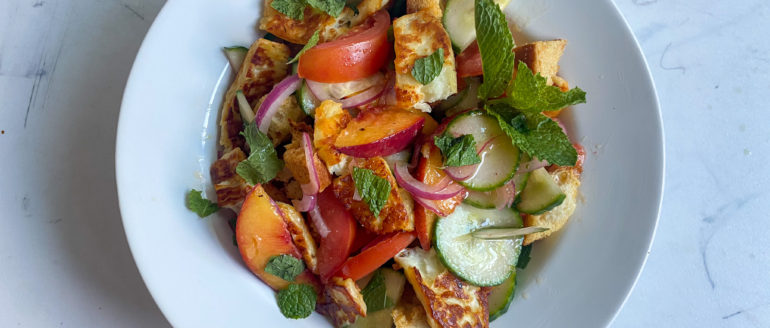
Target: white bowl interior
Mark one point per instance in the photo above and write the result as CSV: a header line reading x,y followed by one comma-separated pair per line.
x,y
167,140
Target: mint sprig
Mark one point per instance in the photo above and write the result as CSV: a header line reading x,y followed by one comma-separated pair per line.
x,y
375,293
458,151
426,69
285,266
374,190
312,42
263,163
496,48
529,92
201,206
297,301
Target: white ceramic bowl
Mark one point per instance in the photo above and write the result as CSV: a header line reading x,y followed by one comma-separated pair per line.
x,y
167,140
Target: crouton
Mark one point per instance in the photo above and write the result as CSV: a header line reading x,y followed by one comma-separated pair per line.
x,y
231,189
342,301
447,300
419,35
408,312
330,120
280,124
294,157
396,215
264,66
433,7
300,234
568,178
542,57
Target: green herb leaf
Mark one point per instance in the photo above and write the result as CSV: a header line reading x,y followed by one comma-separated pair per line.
x,y
373,189
529,93
312,42
263,164
201,206
297,301
375,294
496,48
524,257
458,151
295,9
331,7
426,69
285,266
232,222
536,134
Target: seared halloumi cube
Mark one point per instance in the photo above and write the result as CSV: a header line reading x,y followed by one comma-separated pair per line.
x,y
568,178
231,189
542,57
264,66
398,212
330,120
447,300
348,18
294,31
419,35
300,234
342,301
408,312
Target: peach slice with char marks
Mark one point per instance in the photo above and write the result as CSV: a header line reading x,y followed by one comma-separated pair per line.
x,y
261,233
379,132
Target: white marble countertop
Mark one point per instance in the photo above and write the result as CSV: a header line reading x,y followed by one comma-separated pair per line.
x,y
64,260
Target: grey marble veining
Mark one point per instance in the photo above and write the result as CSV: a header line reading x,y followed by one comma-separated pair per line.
x,y
64,258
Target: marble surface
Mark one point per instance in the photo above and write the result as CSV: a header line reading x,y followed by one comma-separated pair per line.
x,y
64,261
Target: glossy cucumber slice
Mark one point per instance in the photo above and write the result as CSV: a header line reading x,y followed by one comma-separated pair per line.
x,y
501,296
478,261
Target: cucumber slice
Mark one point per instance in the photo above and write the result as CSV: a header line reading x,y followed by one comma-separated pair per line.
x,y
479,199
402,156
235,55
471,99
480,262
501,296
520,181
540,195
460,23
306,100
499,161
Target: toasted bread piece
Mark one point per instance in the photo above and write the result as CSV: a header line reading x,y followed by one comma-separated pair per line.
x,y
542,57
264,66
419,35
294,157
408,312
330,120
568,178
230,187
396,215
342,301
447,300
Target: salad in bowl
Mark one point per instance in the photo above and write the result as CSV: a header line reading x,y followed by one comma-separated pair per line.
x,y
391,163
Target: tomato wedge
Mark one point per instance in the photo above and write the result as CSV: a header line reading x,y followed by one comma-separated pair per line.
x,y
358,54
375,255
337,229
429,171
469,61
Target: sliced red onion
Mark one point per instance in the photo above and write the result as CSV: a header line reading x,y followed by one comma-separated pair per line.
x,y
307,203
461,173
318,222
431,205
422,190
273,101
247,114
388,97
415,160
314,186
350,94
503,197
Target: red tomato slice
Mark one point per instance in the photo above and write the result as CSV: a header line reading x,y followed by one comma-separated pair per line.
x,y
375,255
356,55
469,61
340,231
363,238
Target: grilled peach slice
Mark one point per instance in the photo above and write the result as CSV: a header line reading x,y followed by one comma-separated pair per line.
x,y
379,132
261,233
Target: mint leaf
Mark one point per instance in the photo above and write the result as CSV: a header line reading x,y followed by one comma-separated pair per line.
x,y
310,43
536,134
297,301
373,189
524,257
426,69
331,7
201,206
375,294
285,266
458,151
263,164
496,48
295,9
529,93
